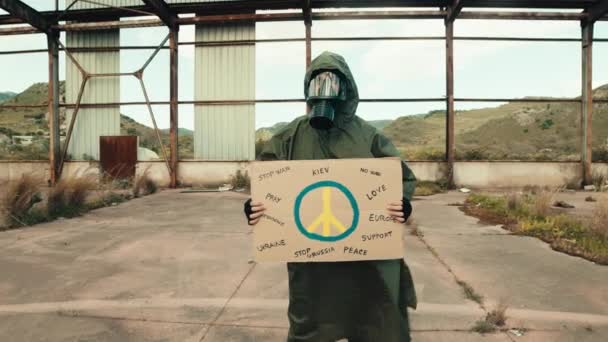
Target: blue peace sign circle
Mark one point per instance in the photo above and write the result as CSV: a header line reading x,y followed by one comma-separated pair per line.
x,y
324,184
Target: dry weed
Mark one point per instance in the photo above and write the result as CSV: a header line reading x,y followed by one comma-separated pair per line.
x,y
600,217
498,316
144,185
543,201
20,197
68,197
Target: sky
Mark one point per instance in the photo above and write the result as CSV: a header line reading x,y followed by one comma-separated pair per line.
x,y
381,68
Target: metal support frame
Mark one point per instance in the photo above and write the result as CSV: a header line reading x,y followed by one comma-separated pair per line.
x,y
47,23
587,101
170,19
307,13
53,106
595,12
86,77
24,12
453,12
174,108
165,14
291,16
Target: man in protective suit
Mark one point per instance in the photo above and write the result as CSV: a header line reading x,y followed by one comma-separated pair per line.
x,y
363,301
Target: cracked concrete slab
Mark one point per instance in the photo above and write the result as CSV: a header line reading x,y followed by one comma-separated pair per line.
x,y
163,268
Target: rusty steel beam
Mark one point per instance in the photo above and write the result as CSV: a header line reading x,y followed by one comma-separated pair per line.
x,y
290,16
29,15
173,110
249,102
241,6
165,14
454,10
449,89
53,106
596,11
587,101
153,118
68,136
522,100
129,9
307,13
521,15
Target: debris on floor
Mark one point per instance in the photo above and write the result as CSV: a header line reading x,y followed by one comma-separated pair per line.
x,y
225,187
465,190
517,332
562,204
590,188
590,199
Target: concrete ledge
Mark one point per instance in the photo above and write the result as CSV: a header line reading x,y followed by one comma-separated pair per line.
x,y
474,174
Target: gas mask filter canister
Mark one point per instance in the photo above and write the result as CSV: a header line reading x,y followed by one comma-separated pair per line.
x,y
324,91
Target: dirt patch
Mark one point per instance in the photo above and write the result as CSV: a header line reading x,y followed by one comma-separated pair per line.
x,y
564,233
487,217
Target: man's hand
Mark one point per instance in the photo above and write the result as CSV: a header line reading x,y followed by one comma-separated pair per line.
x,y
253,211
400,211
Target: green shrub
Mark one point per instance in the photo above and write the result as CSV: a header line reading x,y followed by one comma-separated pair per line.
x,y
546,124
600,154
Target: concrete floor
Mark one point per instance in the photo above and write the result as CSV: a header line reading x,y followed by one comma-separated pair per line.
x,y
176,267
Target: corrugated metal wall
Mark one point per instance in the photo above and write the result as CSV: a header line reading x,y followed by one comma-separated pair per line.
x,y
123,3
224,132
93,122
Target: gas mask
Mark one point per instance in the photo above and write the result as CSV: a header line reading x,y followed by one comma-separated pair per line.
x,y
325,91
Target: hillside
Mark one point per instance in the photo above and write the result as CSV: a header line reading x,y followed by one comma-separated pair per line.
x,y
265,133
513,131
516,131
33,121
6,95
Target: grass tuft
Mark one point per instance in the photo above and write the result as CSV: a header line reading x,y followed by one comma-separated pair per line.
x,y
599,220
600,181
19,200
542,202
427,188
469,292
498,316
144,185
69,197
108,199
240,180
493,321
483,327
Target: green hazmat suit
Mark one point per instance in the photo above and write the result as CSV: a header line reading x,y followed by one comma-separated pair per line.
x,y
362,301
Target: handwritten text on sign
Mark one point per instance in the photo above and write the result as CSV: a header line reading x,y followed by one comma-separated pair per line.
x,y
327,210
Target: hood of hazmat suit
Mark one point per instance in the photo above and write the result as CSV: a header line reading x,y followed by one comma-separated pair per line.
x,y
365,300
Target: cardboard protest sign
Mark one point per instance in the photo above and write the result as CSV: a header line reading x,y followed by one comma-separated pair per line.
x,y
327,210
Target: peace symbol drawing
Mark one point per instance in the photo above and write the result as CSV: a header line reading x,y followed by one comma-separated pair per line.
x,y
326,226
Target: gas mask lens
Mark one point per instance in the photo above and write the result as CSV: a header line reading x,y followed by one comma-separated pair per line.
x,y
323,92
